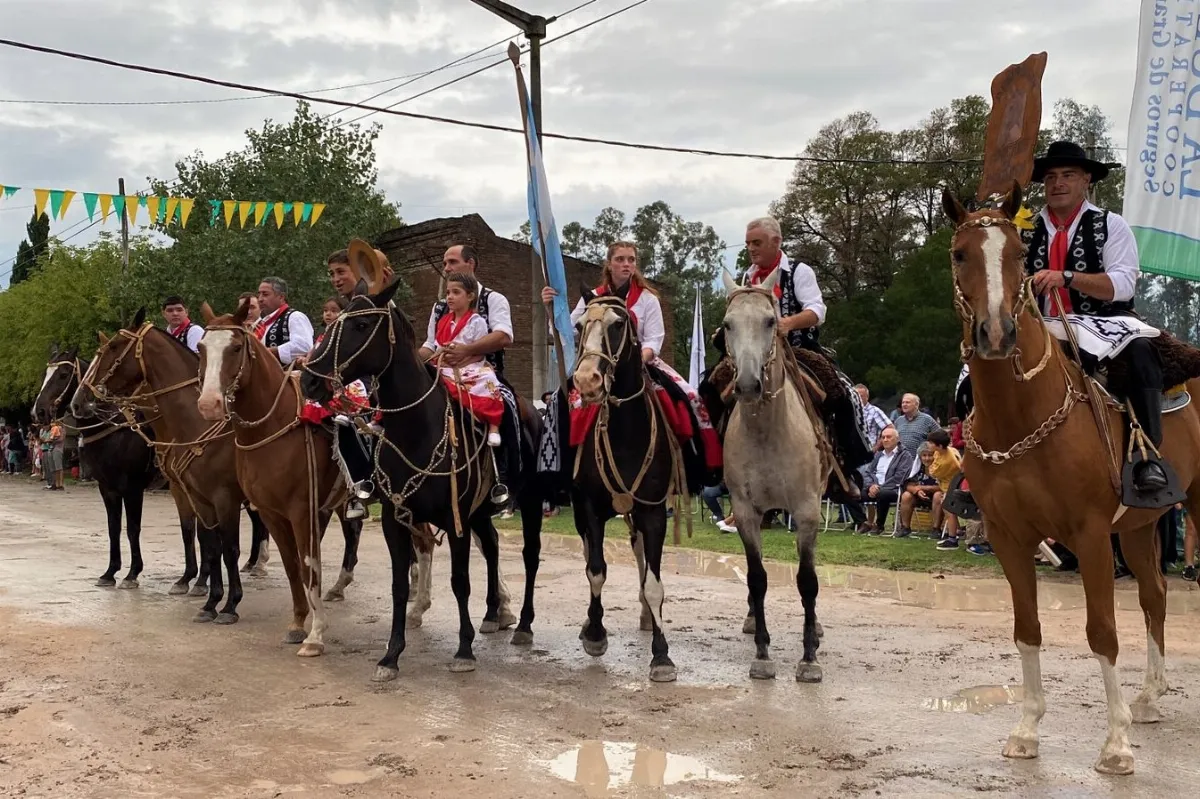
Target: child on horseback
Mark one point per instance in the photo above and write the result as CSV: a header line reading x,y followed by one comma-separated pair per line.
x,y
473,383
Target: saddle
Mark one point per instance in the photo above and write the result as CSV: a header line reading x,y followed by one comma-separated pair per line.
x,y
1180,363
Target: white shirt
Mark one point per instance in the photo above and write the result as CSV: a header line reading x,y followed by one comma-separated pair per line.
x,y
804,286
300,338
885,461
651,331
499,318
194,334
1119,256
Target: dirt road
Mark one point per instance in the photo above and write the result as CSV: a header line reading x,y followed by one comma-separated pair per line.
x,y
107,693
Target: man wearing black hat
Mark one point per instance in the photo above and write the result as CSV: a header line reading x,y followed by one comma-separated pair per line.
x,y
1086,259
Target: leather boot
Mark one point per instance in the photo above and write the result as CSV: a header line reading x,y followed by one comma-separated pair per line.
x,y
1149,475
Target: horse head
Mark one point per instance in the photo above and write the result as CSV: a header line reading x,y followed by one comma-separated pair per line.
x,y
60,382
117,371
365,338
225,349
751,328
607,341
988,263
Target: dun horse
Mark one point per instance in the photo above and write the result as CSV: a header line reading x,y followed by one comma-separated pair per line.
x,y
123,465
431,463
772,461
1046,472
628,465
282,465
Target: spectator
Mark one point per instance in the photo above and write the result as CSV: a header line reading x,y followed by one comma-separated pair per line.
x,y
920,491
956,435
947,463
912,424
883,477
712,500
874,419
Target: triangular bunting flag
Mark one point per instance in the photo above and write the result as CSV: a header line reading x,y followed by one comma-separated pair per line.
x,y
39,201
68,195
132,203
230,208
89,203
118,201
152,207
317,210
307,212
260,213
216,212
172,205
56,196
106,201
245,207
279,211
185,210
10,191
297,212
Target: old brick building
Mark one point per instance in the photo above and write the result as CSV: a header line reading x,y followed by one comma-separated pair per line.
x,y
504,266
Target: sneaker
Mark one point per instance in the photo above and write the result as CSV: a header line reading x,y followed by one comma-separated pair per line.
x,y
949,542
355,509
902,532
980,549
493,439
875,530
726,528
1189,573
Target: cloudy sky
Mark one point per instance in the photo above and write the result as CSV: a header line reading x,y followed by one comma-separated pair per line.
x,y
748,75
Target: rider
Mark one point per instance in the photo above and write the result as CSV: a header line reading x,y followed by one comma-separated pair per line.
x,y
1093,270
179,326
285,331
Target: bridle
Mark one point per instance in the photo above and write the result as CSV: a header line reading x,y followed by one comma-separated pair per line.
x,y
594,315
135,342
76,379
250,354
772,356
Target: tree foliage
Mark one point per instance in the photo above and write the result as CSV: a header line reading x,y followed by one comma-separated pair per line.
x,y
32,249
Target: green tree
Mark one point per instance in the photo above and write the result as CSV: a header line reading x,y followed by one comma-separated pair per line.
x,y
31,249
954,136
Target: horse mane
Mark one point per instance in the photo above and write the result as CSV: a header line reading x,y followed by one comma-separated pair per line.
x,y
174,341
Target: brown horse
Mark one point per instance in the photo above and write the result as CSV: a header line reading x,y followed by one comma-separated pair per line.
x,y
1038,467
284,466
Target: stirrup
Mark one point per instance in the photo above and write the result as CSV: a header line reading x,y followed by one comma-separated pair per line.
x,y
499,492
363,489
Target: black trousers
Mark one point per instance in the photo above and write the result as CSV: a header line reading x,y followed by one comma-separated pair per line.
x,y
354,453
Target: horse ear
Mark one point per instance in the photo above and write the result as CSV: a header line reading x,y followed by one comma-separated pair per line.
x,y
52,353
243,310
103,338
769,283
73,353
587,294
728,281
365,264
385,296
139,318
360,288
1012,201
953,208
206,312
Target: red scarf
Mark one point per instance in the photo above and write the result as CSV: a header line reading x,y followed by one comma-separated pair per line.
x,y
265,323
635,293
759,275
447,329
174,331
1058,255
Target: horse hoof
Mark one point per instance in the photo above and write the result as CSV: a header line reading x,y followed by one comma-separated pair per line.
x,y
310,650
1118,764
178,589
595,648
462,665
334,596
106,582
748,626
384,674
258,571
198,590
413,620
522,638
808,672
1020,748
246,569
204,616
294,637
226,618
488,627
664,672
762,670
128,584
1145,714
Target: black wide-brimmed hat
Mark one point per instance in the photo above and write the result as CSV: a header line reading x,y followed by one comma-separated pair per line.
x,y
1068,153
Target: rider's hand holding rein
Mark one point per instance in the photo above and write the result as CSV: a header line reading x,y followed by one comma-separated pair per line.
x,y
548,295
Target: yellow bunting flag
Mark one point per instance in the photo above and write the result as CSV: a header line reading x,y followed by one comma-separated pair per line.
x,y
152,207
316,213
40,198
131,207
297,213
244,209
172,204
185,210
68,195
278,215
230,206
105,206
260,213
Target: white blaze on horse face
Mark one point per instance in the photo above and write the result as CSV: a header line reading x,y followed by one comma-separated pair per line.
x,y
588,378
216,344
50,370
993,264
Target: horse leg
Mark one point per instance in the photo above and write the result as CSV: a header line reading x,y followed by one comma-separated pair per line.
x,y
638,542
591,530
200,587
351,533
423,549
260,545
460,582
210,551
112,510
230,532
807,522
400,547
308,550
530,503
498,613
749,526
651,524
1096,568
1141,549
133,530
187,530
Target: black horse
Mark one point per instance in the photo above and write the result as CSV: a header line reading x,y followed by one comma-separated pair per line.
x,y
378,341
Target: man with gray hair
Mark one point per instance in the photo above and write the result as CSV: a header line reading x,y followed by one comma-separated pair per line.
x,y
913,424
286,331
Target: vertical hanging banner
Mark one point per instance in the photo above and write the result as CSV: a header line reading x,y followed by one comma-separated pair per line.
x,y
696,359
1162,176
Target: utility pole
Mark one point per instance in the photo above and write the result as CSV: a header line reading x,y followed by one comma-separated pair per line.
x,y
534,28
124,227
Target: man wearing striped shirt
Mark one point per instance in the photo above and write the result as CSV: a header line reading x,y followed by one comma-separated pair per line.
x,y
875,421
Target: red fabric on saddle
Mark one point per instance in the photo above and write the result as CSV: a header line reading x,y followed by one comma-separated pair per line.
x,y
489,410
679,418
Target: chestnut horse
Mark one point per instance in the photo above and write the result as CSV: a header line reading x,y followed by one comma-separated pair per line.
x,y
284,465
1038,468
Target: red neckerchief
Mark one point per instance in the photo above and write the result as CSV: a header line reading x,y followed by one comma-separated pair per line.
x,y
635,293
1058,253
447,329
265,323
174,331
759,275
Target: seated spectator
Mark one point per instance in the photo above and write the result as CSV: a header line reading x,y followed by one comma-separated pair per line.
x,y
947,463
883,478
956,435
920,491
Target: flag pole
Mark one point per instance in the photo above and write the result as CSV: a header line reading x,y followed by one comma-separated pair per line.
x,y
514,54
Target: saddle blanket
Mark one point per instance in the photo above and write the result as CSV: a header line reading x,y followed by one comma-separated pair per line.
x,y
1102,336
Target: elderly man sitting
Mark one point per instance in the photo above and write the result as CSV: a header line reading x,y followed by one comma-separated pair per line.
x,y
883,477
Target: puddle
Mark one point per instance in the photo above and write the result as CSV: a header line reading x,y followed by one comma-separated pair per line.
x,y
600,767
979,699
348,777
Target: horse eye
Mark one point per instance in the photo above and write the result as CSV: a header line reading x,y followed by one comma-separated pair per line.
x,y
959,256
726,326
770,323
360,324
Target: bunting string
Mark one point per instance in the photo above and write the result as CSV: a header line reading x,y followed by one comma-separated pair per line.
x,y
164,211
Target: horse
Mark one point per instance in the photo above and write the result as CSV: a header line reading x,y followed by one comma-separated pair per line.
x,y
429,463
241,381
627,465
124,468
1035,405
773,460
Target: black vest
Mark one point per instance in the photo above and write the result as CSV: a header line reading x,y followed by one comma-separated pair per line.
x,y
1086,255
440,309
280,331
182,335
810,337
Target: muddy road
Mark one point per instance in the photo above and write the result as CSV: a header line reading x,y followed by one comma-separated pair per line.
x,y
112,693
